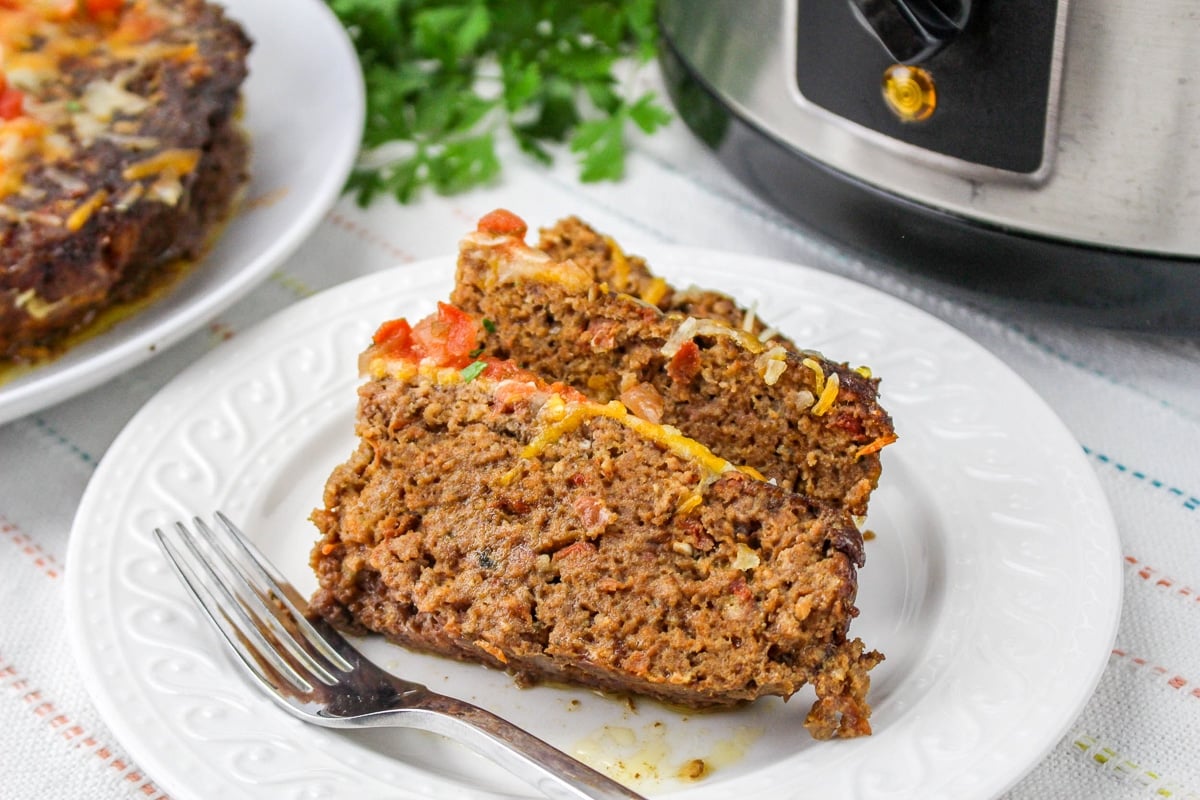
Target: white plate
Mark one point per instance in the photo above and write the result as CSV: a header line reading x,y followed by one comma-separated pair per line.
x,y
993,584
304,107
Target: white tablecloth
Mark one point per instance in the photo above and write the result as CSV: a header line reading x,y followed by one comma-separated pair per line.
x,y
1131,399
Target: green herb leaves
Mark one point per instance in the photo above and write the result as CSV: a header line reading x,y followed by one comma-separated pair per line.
x,y
601,142
444,76
472,371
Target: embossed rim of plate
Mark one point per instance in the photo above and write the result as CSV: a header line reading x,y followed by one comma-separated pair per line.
x,y
294,178
1029,599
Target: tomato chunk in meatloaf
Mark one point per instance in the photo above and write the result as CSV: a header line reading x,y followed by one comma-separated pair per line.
x,y
812,425
491,516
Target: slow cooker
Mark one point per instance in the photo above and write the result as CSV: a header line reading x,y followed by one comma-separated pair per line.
x,y
1022,150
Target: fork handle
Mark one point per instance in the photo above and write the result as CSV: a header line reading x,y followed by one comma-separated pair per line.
x,y
550,770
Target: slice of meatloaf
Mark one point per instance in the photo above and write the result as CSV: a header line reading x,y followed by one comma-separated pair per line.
x,y
572,239
489,516
119,155
812,425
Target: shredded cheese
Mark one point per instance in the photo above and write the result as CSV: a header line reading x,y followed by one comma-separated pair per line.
x,y
818,372
620,265
103,99
655,291
875,446
828,396
748,320
692,327
772,364
175,161
664,435
34,305
83,212
510,260
692,502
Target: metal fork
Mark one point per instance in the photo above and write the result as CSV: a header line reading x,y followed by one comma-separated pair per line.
x,y
310,670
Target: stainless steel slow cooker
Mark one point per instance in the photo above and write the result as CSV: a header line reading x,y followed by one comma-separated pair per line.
x,y
1022,149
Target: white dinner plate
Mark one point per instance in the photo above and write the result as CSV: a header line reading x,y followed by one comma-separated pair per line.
x,y
992,584
304,107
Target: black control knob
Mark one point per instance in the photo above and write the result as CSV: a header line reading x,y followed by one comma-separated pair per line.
x,y
913,30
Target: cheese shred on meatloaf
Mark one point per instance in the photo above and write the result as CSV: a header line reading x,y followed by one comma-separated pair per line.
x,y
812,425
491,516
119,154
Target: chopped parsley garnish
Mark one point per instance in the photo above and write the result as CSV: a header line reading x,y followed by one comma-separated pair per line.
x,y
443,77
488,325
471,372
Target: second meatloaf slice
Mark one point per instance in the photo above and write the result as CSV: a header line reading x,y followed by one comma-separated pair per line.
x,y
813,425
489,516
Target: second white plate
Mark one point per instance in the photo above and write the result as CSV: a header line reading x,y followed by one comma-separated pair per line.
x,y
993,583
304,107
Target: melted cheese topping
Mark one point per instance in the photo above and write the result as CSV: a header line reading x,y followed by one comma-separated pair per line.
x,y
50,123
510,260
559,415
568,416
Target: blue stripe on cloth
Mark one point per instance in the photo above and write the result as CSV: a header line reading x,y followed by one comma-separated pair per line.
x,y
1190,501
49,430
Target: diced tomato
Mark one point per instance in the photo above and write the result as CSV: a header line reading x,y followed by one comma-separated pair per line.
x,y
447,337
740,590
503,223
103,8
602,334
509,393
847,422
504,370
591,511
575,550
394,337
137,26
685,364
568,393
12,103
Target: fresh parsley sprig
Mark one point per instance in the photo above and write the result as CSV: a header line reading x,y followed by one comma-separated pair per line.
x,y
443,77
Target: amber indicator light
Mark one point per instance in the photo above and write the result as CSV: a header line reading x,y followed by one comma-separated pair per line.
x,y
909,92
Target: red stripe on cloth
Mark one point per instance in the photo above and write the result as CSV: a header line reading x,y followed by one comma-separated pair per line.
x,y
1156,579
1174,681
370,237
466,216
41,559
46,710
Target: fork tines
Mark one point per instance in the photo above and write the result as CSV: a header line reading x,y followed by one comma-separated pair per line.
x,y
261,615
